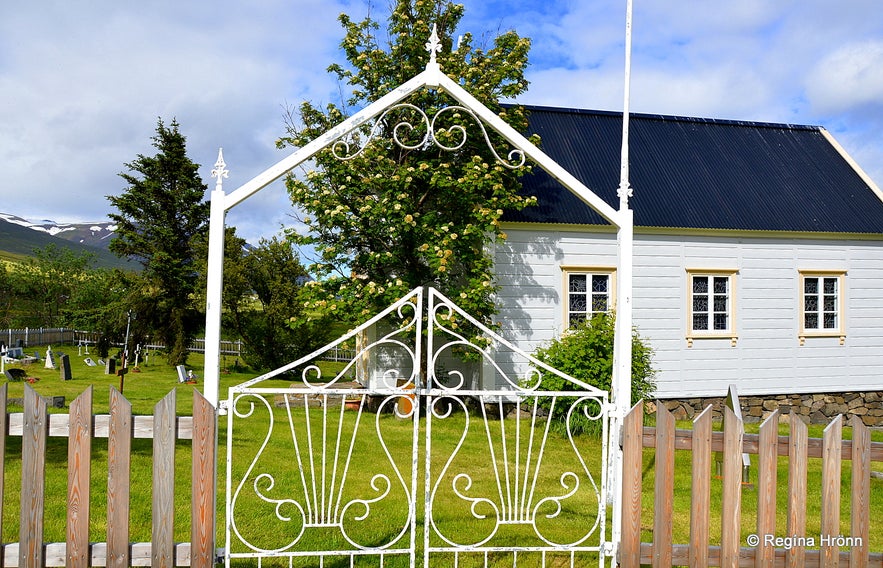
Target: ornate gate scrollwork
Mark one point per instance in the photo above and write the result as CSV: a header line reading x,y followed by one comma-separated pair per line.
x,y
431,444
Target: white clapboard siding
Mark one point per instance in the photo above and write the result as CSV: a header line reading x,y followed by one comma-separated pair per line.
x,y
767,357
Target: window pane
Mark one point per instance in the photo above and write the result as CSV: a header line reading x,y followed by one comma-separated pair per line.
x,y
599,283
811,286
811,321
700,321
720,304
720,322
700,303
830,285
830,303
720,284
578,302
811,303
575,319
700,285
830,321
599,303
577,282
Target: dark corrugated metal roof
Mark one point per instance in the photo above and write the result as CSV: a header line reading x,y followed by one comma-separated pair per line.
x,y
701,174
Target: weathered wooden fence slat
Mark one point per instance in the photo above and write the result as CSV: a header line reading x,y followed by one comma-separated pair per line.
x,y
680,557
861,493
632,452
700,492
663,495
684,441
33,480
162,535
826,549
767,464
731,506
119,451
119,427
797,487
78,480
204,483
831,467
142,426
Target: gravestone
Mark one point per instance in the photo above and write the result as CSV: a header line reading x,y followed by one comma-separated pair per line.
x,y
50,359
110,368
65,363
89,362
15,374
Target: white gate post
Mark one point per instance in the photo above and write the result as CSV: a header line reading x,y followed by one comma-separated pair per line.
x,y
622,348
214,285
622,367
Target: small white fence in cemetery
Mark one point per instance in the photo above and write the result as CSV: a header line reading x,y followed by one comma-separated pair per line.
x,y
40,336
30,336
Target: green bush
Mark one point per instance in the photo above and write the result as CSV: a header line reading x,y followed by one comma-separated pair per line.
x,y
585,352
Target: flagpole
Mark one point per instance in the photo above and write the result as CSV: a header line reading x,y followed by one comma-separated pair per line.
x,y
625,190
622,353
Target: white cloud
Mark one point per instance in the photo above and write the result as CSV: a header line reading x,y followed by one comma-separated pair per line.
x,y
850,76
84,84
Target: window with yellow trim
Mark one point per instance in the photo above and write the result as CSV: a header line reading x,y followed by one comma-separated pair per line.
x,y
711,304
821,303
588,292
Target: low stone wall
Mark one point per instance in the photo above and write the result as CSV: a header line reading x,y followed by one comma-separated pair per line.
x,y
812,408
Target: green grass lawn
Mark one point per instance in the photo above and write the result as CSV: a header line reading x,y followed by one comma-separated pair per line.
x,y
453,516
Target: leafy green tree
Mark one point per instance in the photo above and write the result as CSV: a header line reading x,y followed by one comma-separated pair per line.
x,y
44,284
392,218
276,332
263,304
159,215
99,304
7,296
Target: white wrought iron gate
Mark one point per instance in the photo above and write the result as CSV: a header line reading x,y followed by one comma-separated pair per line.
x,y
433,446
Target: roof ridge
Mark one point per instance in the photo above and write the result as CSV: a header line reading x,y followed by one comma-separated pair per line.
x,y
671,117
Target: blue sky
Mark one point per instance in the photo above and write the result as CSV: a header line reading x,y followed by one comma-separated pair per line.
x,y
83,83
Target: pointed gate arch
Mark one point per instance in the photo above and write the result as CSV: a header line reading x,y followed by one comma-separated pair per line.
x,y
432,77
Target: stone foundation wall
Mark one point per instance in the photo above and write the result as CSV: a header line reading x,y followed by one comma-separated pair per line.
x,y
812,408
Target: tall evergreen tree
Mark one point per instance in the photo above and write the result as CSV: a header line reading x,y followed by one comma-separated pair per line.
x,y
394,217
159,214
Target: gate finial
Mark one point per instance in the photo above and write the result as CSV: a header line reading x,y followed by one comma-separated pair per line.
x,y
433,46
220,170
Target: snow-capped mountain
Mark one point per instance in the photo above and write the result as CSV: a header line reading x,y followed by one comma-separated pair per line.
x,y
97,234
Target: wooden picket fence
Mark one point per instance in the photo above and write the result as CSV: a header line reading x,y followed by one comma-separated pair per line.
x,y
119,427
789,546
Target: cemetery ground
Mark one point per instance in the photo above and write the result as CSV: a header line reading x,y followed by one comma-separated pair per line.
x,y
153,380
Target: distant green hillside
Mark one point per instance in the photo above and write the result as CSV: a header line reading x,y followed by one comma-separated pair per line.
x,y
17,242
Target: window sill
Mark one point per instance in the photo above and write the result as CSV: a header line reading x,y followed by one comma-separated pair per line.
x,y
802,337
732,337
